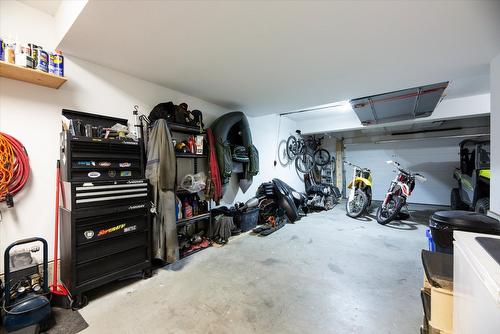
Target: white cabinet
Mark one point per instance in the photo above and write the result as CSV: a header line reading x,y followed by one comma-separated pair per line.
x,y
476,285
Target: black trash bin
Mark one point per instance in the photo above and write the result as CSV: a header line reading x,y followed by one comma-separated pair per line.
x,y
443,223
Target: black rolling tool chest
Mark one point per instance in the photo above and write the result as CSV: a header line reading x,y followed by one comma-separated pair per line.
x,y
106,210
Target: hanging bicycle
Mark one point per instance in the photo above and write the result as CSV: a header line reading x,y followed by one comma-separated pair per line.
x,y
306,152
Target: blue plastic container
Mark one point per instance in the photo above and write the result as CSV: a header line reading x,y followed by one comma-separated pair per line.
x,y
432,246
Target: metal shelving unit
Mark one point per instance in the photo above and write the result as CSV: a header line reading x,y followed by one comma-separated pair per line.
x,y
185,222
328,173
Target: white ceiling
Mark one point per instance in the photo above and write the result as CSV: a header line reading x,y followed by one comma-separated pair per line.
x,y
47,6
268,57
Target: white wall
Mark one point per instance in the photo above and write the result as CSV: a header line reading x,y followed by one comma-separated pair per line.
x,y
436,159
495,135
28,24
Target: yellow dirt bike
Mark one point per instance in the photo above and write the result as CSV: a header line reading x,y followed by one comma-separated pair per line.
x,y
360,196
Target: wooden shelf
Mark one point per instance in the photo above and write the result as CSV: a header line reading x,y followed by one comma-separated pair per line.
x,y
11,71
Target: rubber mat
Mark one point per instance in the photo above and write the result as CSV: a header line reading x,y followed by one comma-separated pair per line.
x,y
66,321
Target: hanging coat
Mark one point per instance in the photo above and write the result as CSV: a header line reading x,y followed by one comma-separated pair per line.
x,y
161,172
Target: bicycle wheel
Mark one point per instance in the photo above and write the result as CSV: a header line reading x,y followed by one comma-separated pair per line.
x,y
291,147
304,163
321,157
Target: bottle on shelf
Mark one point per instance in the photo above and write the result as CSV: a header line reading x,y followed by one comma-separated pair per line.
x,y
188,209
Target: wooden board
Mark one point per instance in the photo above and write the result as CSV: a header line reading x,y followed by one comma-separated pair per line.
x,y
339,169
11,71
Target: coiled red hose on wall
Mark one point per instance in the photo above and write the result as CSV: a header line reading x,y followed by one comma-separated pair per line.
x,y
14,166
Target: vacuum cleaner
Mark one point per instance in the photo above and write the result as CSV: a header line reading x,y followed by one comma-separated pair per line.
x,y
26,306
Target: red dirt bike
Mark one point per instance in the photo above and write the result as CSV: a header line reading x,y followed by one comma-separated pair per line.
x,y
399,190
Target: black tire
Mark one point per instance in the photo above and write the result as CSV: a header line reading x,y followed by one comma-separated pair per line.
x,y
482,205
358,206
396,203
79,302
321,157
369,195
304,163
291,147
147,273
403,215
455,200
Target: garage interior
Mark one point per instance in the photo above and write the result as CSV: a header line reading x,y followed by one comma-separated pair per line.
x,y
249,167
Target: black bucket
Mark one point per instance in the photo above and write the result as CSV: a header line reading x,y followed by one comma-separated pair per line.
x,y
247,221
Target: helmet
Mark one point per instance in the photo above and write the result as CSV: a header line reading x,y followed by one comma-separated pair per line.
x,y
181,147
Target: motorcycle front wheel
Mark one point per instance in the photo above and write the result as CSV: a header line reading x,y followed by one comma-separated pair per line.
x,y
358,205
391,210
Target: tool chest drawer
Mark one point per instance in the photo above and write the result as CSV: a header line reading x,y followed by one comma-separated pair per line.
x,y
100,245
107,194
101,249
109,264
98,159
94,229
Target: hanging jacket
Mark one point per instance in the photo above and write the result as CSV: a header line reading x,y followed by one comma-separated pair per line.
x,y
161,173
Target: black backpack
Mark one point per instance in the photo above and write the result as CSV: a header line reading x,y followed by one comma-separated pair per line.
x,y
165,110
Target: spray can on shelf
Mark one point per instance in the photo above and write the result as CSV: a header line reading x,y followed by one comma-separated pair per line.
x,y
43,61
23,56
191,143
10,52
188,209
34,49
56,63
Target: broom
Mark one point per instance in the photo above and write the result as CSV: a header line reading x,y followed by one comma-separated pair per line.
x,y
60,295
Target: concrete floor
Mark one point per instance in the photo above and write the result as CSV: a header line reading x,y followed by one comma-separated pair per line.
x,y
326,274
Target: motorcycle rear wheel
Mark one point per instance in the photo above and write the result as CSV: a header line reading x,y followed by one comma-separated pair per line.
x,y
358,205
391,211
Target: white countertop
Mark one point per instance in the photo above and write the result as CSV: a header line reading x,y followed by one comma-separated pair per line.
x,y
484,265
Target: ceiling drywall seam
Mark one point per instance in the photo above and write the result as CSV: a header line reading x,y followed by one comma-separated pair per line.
x,y
66,16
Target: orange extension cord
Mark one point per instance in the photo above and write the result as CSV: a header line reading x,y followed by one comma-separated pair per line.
x,y
14,166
